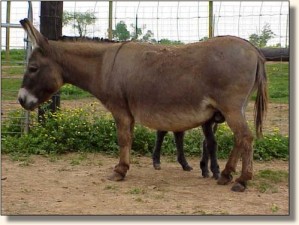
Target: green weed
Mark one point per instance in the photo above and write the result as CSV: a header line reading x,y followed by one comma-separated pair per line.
x,y
81,131
136,191
268,180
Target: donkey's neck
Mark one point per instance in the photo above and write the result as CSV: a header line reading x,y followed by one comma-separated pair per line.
x,y
81,62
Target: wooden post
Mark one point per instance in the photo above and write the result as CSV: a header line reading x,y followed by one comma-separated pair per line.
x,y
110,36
51,28
136,28
7,55
211,29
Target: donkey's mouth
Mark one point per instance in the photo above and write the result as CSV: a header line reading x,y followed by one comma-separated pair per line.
x,y
28,106
27,100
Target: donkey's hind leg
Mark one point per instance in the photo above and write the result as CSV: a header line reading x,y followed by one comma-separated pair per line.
x,y
157,151
242,146
209,150
204,162
179,141
213,154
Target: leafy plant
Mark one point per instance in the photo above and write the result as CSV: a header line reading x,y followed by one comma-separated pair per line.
x,y
79,20
81,130
262,39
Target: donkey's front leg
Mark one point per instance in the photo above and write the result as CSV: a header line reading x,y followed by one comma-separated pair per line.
x,y
124,125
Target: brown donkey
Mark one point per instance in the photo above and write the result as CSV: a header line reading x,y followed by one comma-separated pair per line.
x,y
164,88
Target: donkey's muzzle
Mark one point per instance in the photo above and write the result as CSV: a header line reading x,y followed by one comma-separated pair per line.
x,y
27,100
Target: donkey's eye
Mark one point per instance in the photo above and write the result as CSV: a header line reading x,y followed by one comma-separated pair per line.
x,y
33,69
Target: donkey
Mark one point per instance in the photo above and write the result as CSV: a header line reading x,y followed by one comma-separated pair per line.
x,y
209,128
209,148
163,88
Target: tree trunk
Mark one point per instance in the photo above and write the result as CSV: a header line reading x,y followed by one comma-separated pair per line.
x,y
51,28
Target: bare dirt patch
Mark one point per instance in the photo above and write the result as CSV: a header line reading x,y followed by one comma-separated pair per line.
x,y
76,184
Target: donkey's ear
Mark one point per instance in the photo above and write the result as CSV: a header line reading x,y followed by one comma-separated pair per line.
x,y
37,39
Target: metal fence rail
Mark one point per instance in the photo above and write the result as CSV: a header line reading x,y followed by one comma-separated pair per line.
x,y
7,104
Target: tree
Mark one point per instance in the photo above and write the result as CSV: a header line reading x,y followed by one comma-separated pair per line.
x,y
205,38
148,35
166,41
262,39
121,32
79,20
138,30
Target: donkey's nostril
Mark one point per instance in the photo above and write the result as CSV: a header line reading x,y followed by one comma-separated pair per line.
x,y
21,101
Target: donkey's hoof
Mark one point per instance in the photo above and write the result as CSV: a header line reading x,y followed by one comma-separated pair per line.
x,y
223,180
216,176
187,168
205,174
237,187
157,166
116,177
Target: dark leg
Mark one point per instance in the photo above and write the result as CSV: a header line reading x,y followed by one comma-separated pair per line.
x,y
213,147
209,150
204,162
179,141
157,151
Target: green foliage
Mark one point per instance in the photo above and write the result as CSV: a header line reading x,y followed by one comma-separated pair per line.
x,y
80,130
278,76
225,141
262,39
147,36
144,141
278,82
16,56
268,180
205,38
170,42
121,32
79,20
272,146
14,125
69,91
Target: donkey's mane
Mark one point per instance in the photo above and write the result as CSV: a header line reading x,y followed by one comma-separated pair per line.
x,y
86,39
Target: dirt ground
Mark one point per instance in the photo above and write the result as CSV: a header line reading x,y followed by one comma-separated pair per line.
x,y
76,184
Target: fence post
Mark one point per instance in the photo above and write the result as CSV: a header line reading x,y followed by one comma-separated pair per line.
x,y
28,53
8,6
136,28
211,28
51,28
110,36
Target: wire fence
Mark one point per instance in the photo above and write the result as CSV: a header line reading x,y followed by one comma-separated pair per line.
x,y
181,21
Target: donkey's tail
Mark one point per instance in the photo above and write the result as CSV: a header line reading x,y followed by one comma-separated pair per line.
x,y
261,101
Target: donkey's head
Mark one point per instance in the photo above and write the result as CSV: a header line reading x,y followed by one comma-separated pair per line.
x,y
43,76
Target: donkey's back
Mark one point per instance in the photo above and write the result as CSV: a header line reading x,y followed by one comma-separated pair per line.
x,y
178,88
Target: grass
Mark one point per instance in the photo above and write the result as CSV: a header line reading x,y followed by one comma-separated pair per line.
x,y
278,76
268,180
16,57
136,191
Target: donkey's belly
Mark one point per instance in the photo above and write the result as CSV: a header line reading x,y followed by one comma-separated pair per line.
x,y
173,120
